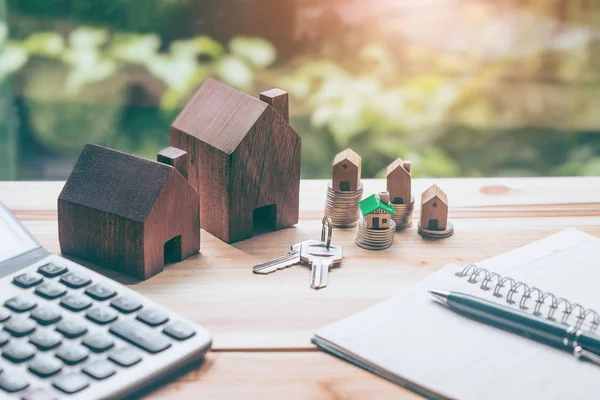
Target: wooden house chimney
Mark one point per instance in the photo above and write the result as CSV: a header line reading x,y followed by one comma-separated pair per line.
x,y
176,158
278,99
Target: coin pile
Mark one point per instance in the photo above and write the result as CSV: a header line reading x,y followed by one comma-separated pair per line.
x,y
435,234
342,207
375,239
403,217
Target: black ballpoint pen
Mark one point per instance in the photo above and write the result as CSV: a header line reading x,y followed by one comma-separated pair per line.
x,y
583,345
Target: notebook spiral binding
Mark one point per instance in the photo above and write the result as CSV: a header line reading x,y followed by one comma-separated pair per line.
x,y
491,280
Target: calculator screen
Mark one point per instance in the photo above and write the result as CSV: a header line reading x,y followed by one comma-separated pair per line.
x,y
14,239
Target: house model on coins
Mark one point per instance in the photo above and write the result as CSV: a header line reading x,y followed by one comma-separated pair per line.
x,y
346,171
434,209
244,160
128,213
377,211
399,181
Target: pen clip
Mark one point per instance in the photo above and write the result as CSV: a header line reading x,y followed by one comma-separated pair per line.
x,y
580,352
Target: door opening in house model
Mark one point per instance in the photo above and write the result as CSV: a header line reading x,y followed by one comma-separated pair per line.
x,y
264,219
172,250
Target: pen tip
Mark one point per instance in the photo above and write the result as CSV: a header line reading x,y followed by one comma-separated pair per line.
x,y
440,295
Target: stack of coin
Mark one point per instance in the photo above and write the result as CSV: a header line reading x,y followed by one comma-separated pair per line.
x,y
375,239
342,207
436,234
403,217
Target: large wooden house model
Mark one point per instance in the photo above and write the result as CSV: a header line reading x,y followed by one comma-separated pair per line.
x,y
244,160
128,213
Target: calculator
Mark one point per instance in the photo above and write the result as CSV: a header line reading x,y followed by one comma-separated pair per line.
x,y
67,332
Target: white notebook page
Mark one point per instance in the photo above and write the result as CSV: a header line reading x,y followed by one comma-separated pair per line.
x,y
412,337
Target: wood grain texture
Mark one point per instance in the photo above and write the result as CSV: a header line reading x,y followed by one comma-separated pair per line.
x,y
134,206
243,155
346,171
399,181
262,325
434,209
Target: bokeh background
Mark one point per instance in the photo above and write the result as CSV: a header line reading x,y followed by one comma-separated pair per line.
x,y
460,87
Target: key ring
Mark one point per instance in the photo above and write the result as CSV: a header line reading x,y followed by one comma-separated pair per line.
x,y
326,221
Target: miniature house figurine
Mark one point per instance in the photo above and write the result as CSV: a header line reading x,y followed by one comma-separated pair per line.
x,y
434,209
128,213
244,159
346,171
398,181
377,211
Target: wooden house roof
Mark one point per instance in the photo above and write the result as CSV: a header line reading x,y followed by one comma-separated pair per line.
x,y
398,164
349,155
114,182
219,115
372,203
432,192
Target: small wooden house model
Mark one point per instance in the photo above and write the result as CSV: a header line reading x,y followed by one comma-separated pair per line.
x,y
399,181
128,213
377,211
244,159
434,209
346,171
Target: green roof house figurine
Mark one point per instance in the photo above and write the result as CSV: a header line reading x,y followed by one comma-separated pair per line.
x,y
377,211
376,229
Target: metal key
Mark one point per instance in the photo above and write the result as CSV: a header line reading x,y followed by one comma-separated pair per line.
x,y
282,262
321,257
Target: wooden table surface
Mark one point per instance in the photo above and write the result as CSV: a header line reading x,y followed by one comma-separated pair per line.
x,y
262,325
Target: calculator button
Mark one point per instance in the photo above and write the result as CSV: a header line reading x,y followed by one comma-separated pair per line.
x,y
126,304
27,280
140,335
125,356
179,330
45,366
45,315
152,317
50,290
20,304
12,382
100,291
76,302
71,328
52,270
4,338
71,383
101,315
38,394
72,353
99,369
75,280
98,342
20,326
18,352
45,339
4,314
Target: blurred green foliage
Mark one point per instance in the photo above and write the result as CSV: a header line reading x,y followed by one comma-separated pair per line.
x,y
117,72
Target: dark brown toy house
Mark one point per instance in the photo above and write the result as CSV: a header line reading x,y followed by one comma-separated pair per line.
x,y
244,159
128,213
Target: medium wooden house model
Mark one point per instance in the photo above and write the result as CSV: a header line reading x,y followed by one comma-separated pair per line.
x,y
377,211
434,209
399,181
346,171
128,213
244,159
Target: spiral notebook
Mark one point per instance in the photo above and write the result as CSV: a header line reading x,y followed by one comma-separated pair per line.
x,y
415,342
